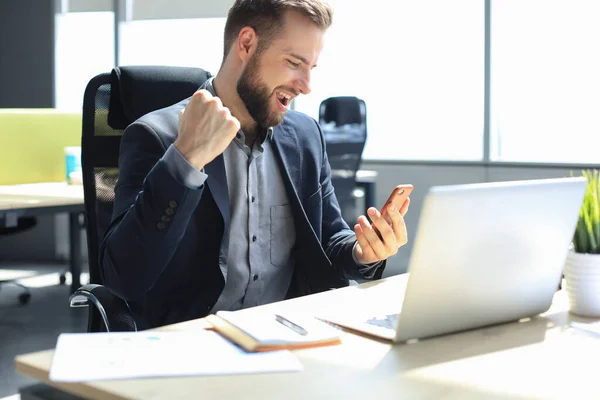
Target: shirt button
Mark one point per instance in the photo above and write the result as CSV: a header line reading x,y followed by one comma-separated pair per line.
x,y
255,277
254,238
253,199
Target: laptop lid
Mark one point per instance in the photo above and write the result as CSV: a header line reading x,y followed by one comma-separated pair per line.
x,y
488,253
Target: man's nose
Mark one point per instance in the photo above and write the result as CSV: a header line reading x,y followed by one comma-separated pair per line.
x,y
303,83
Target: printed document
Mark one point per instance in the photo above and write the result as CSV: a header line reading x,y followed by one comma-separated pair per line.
x,y
124,355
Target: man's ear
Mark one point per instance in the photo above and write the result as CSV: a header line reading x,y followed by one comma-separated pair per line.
x,y
247,43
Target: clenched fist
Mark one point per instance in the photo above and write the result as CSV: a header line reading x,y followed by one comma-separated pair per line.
x,y
206,128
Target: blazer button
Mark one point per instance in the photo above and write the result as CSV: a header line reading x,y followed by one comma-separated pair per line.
x,y
169,211
173,204
164,218
160,226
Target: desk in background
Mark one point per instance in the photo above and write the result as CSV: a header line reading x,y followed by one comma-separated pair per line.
x,y
43,199
348,181
538,358
366,180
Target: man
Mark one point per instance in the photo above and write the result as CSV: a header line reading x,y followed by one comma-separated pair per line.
x,y
224,200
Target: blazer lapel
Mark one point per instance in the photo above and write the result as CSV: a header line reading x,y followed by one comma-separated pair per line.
x,y
217,184
287,146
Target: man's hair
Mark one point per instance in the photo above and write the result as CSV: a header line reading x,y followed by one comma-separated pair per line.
x,y
266,18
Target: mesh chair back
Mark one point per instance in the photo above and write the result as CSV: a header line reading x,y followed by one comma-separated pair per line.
x,y
99,162
111,102
344,124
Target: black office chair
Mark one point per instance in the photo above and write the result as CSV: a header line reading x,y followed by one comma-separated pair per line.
x,y
344,123
22,224
111,102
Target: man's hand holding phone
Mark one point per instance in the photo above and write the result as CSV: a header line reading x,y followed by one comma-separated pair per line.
x,y
386,233
400,199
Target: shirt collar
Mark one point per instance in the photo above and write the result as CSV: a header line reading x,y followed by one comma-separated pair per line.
x,y
208,85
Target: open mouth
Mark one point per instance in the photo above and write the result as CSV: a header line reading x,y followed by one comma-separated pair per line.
x,y
284,98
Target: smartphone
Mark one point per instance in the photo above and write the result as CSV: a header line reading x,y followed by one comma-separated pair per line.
x,y
398,197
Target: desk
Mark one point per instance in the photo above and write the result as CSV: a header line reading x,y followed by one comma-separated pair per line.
x,y
539,358
364,179
43,199
367,180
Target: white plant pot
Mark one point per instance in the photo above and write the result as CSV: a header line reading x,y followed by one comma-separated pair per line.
x,y
582,279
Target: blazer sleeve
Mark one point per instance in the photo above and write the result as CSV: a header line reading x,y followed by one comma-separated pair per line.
x,y
338,239
151,213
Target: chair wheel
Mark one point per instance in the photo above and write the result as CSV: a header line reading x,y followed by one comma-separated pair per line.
x,y
62,279
24,298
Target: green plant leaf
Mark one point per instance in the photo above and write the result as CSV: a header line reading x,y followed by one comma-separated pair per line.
x,y
586,238
595,215
580,240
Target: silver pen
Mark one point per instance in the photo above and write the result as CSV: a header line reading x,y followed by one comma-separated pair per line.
x,y
295,327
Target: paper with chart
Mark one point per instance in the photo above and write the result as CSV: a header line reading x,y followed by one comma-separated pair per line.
x,y
123,355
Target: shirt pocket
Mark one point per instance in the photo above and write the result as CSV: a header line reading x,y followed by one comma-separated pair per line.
x,y
283,234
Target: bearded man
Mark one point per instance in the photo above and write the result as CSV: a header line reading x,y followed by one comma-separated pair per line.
x,y
224,200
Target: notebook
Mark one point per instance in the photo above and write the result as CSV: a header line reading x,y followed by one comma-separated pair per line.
x,y
483,254
261,331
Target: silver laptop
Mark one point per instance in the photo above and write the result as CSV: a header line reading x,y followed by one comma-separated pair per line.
x,y
483,254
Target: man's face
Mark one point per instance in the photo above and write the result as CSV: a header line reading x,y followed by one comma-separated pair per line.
x,y
282,71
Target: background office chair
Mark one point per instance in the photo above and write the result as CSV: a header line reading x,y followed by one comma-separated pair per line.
x,y
111,102
344,124
23,224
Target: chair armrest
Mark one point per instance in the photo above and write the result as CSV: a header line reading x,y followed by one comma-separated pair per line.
x,y
112,310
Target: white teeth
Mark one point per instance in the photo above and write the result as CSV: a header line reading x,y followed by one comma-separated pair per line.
x,y
287,96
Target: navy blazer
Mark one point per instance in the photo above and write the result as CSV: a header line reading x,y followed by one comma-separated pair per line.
x,y
162,249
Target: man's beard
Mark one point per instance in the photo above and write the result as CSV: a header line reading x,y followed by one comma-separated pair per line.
x,y
256,96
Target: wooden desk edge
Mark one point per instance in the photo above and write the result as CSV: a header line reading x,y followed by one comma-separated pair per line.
x,y
37,365
32,365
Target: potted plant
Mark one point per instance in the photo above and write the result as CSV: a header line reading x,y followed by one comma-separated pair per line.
x,y
582,269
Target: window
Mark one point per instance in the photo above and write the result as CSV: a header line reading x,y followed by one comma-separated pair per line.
x,y
419,66
180,42
545,81
84,49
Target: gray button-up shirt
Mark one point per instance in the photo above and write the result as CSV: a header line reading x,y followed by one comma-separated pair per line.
x,y
258,267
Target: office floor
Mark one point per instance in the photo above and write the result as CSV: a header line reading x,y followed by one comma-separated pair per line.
x,y
35,326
